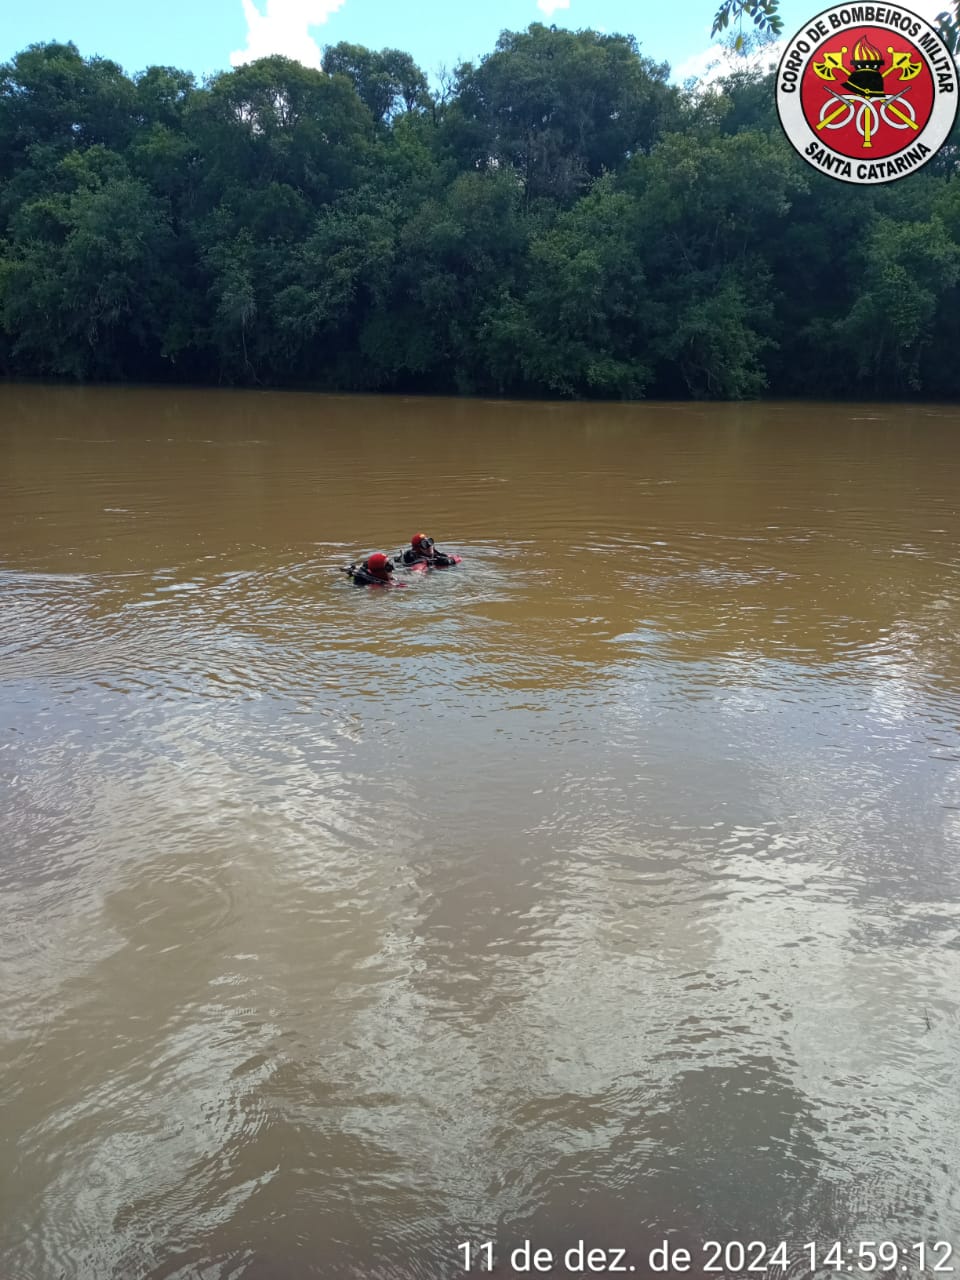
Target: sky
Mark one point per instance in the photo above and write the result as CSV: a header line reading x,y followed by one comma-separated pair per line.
x,y
206,36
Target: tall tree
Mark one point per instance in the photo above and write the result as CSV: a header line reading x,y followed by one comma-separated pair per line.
x,y
275,120
50,96
556,220
86,288
560,107
387,82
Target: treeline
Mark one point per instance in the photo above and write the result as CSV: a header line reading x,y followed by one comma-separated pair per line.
x,y
556,220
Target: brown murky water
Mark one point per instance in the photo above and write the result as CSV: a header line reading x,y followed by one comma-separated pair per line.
x,y
605,887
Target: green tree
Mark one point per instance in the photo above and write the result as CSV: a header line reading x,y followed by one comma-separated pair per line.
x,y
709,209
85,285
386,82
582,324
50,96
162,95
905,271
560,107
454,253
275,121
231,264
555,220
342,279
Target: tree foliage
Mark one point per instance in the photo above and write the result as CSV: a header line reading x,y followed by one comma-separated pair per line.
x,y
557,220
765,14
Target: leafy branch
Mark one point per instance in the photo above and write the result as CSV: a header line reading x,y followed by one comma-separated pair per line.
x,y
948,24
766,18
765,14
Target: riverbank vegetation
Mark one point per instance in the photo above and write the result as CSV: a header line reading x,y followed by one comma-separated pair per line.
x,y
554,220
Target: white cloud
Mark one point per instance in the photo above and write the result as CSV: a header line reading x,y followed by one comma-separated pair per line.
x,y
699,66
718,61
284,28
549,7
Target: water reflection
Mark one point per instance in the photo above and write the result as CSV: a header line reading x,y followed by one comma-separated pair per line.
x,y
604,889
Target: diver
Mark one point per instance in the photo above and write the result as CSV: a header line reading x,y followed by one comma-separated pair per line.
x,y
423,550
374,571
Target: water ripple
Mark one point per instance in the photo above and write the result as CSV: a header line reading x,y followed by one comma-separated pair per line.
x,y
605,887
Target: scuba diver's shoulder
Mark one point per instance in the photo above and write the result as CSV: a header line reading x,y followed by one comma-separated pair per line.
x,y
375,571
422,553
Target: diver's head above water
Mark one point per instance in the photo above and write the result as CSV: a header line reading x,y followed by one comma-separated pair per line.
x,y
379,566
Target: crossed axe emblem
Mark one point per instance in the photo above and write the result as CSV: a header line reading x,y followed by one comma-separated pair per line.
x,y
870,106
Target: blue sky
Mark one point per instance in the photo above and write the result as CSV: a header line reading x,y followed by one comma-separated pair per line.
x,y
206,35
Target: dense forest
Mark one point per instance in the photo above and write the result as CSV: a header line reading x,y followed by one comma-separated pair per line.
x,y
555,220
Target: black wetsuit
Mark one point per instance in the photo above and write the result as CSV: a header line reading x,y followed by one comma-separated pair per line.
x,y
362,577
438,559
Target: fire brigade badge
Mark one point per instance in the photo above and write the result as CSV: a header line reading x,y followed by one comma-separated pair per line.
x,y
867,93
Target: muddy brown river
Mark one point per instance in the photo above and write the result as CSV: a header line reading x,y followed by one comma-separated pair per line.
x,y
605,888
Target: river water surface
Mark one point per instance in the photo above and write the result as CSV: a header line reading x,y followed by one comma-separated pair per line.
x,y
606,887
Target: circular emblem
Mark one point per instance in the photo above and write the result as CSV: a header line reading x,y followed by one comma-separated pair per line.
x,y
867,93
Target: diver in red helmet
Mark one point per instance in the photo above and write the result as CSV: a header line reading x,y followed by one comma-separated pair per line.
x,y
423,550
374,571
